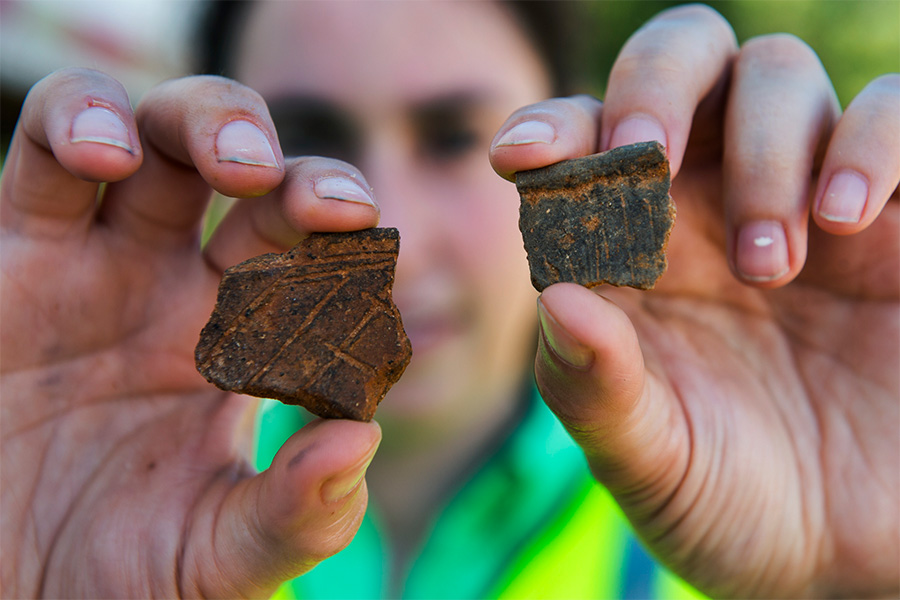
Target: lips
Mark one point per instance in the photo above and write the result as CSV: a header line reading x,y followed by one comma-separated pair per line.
x,y
433,315
427,333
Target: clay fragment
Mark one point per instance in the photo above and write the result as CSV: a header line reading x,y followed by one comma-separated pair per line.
x,y
600,219
315,326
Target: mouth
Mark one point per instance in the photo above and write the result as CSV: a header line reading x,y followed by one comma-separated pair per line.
x,y
429,332
433,311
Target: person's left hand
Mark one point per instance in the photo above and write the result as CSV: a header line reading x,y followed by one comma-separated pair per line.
x,y
744,413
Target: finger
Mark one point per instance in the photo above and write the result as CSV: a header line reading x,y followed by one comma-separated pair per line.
x,y
781,107
545,133
198,132
318,194
279,524
662,74
862,165
76,128
590,371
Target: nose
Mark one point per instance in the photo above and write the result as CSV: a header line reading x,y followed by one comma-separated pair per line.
x,y
403,199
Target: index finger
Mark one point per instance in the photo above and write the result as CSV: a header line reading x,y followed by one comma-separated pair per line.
x,y
660,77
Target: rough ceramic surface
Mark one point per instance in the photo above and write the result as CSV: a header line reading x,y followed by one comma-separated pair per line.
x,y
315,326
600,219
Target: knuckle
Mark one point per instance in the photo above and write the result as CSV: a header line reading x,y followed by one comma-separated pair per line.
x,y
890,81
675,40
778,51
652,57
586,102
209,91
224,85
538,108
581,108
875,110
693,12
761,161
63,83
702,15
667,67
78,75
200,103
885,89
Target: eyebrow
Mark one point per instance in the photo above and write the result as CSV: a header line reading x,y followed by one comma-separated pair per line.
x,y
288,106
315,105
451,102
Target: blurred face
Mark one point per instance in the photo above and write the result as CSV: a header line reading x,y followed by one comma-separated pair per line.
x,y
412,93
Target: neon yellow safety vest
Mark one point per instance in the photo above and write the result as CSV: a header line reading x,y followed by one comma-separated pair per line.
x,y
530,523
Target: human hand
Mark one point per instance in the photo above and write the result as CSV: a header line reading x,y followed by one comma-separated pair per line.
x,y
744,413
125,474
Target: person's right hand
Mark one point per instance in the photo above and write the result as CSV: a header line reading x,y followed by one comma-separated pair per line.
x,y
125,474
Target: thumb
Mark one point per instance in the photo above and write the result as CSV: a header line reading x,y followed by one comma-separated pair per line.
x,y
591,373
282,522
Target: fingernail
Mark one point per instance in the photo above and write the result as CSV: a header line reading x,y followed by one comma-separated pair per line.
x,y
638,129
844,198
344,484
342,188
245,143
762,251
101,126
561,343
528,132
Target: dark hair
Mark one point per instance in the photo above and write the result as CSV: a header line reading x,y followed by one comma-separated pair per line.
x,y
216,35
551,25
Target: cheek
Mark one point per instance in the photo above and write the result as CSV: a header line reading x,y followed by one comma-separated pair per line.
x,y
486,234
